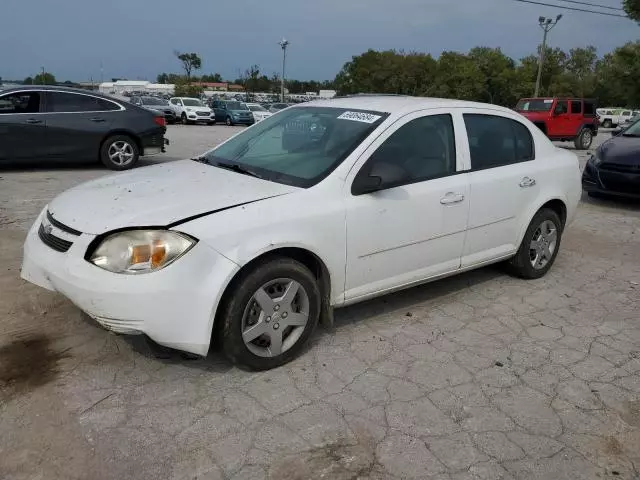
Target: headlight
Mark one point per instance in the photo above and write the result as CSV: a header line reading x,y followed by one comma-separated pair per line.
x,y
189,109
140,251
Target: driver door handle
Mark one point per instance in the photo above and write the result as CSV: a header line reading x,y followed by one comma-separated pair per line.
x,y
33,121
451,197
527,182
96,119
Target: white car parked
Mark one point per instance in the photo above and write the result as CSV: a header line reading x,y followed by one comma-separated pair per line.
x,y
191,110
611,117
258,111
323,205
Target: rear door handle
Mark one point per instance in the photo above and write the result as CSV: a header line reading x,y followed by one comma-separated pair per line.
x,y
33,121
451,197
97,119
527,182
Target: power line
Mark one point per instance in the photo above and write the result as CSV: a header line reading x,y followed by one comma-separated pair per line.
x,y
572,8
608,7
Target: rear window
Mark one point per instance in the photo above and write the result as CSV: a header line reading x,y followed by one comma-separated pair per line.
x,y
535,105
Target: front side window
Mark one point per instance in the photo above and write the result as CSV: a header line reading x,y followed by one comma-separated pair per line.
x,y
496,141
20,102
299,147
422,149
576,106
64,102
561,107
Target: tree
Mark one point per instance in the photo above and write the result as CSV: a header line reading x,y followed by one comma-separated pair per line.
x,y
632,7
213,78
162,78
251,76
581,65
40,79
190,62
184,88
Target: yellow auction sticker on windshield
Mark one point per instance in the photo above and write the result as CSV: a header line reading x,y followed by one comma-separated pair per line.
x,y
360,117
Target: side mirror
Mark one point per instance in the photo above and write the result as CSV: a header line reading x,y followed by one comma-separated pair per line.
x,y
366,184
380,176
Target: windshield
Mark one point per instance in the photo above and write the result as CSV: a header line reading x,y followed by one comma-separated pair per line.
x,y
633,130
534,105
299,146
236,106
153,101
256,108
192,102
279,106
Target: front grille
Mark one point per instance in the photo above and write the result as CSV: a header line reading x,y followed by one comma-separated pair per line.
x,y
52,241
62,226
614,183
203,114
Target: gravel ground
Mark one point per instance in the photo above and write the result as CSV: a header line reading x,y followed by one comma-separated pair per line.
x,y
480,376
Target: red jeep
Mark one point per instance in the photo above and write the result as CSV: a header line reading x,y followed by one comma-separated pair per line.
x,y
563,119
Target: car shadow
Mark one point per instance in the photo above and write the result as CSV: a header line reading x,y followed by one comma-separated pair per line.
x,y
612,202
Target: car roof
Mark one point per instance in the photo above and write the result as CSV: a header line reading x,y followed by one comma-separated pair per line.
x,y
31,88
399,103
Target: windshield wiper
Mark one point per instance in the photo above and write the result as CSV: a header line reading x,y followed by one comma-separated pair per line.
x,y
201,159
234,167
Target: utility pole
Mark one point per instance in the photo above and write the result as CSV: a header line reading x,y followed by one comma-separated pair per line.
x,y
284,43
42,75
546,24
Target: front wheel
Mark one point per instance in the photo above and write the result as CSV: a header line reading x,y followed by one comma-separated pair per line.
x,y
607,123
183,119
584,139
229,122
270,314
119,152
539,246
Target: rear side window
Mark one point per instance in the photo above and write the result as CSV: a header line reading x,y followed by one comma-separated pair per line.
x,y
496,141
64,102
576,106
589,108
20,102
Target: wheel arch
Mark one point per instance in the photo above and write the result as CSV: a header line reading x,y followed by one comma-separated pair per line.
x,y
556,204
303,255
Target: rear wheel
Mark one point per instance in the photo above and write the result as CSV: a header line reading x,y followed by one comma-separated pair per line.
x,y
584,139
119,152
270,314
539,246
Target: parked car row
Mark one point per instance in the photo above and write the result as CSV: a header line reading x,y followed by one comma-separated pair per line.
x,y
58,123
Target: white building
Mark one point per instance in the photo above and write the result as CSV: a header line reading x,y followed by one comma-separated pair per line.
x,y
122,86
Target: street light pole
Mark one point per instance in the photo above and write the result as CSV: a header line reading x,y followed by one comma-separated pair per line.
x,y
283,44
546,24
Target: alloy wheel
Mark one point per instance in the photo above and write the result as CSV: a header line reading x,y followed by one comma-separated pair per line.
x,y
121,153
543,244
275,317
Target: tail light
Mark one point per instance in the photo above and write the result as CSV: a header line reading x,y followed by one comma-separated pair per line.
x,y
160,120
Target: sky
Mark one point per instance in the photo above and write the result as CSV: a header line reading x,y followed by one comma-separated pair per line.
x,y
136,39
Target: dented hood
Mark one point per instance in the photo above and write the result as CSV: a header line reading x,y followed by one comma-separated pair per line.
x,y
159,195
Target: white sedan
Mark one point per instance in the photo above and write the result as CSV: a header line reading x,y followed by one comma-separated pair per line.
x,y
323,205
258,111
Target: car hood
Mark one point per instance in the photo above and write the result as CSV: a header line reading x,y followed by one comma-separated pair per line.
x,y
199,109
159,195
621,150
240,112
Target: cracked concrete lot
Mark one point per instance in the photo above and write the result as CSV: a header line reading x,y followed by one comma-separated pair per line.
x,y
480,376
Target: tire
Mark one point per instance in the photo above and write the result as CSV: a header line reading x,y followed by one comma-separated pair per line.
x,y
521,265
119,152
584,139
607,123
229,122
183,119
241,312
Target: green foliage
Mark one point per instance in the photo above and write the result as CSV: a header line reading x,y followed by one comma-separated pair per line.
x,y
190,62
487,74
632,7
213,78
40,79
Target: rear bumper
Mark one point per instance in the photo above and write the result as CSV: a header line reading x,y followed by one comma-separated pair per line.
x,y
153,143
